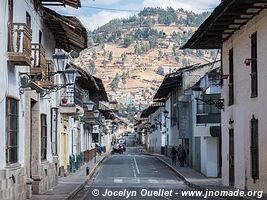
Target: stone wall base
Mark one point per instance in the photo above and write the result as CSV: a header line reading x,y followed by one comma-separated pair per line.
x,y
12,183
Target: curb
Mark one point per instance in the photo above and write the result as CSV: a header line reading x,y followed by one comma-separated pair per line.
x,y
81,186
198,187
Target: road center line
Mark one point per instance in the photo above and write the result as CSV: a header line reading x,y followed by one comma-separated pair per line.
x,y
137,169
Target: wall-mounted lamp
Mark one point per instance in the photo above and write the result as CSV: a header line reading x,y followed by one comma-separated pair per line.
x,y
198,92
248,61
61,59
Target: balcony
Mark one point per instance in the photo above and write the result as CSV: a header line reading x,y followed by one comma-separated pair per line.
x,y
71,101
38,63
19,45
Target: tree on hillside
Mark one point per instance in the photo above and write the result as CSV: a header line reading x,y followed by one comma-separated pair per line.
x,y
153,41
160,54
177,59
123,77
94,55
128,40
160,71
123,57
110,56
137,49
92,67
185,62
115,82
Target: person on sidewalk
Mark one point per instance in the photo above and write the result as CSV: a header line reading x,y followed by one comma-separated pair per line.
x,y
181,156
179,147
173,155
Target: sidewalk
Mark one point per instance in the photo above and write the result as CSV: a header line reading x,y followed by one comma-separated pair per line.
x,y
68,186
198,181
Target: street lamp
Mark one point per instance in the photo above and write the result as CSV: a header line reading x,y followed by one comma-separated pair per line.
x,y
61,60
90,105
166,113
96,113
198,91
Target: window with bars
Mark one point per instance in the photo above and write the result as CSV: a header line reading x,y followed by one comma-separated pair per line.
x,y
254,148
12,131
231,78
43,137
254,73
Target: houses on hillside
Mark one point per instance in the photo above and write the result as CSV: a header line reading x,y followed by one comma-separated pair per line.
x,y
50,108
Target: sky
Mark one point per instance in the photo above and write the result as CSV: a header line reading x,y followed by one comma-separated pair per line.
x,y
92,16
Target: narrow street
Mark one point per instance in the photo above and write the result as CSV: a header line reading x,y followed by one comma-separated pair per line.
x,y
133,172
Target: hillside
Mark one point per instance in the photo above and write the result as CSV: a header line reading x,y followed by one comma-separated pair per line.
x,y
133,55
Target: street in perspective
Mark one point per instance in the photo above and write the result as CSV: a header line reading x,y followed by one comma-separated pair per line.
x,y
133,99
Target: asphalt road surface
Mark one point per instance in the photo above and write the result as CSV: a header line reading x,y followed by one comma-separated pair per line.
x,y
134,175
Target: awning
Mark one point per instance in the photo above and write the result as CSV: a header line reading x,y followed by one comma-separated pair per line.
x,y
226,18
102,92
151,109
169,82
85,80
68,31
72,3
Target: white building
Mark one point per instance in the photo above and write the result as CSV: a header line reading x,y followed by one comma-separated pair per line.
x,y
28,156
244,123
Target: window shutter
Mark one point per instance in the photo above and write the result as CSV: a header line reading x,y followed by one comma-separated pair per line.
x,y
254,149
254,79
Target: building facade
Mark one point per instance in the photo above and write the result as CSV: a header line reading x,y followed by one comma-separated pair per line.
x,y
243,47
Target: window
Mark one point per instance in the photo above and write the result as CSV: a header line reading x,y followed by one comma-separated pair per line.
x,y
174,107
28,20
254,76
231,78
204,108
54,118
43,137
12,131
208,113
40,37
254,148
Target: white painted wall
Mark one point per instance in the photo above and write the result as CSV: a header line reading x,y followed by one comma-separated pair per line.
x,y
241,112
4,77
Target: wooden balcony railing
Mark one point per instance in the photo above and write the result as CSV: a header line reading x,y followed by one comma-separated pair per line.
x,y
38,63
72,96
47,78
19,44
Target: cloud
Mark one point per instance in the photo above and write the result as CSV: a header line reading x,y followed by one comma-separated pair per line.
x,y
101,18
99,2
194,5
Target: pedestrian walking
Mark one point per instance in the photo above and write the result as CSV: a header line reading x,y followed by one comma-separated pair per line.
x,y
181,156
173,155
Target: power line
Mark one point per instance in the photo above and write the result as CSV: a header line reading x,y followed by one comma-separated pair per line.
x,y
130,10
113,9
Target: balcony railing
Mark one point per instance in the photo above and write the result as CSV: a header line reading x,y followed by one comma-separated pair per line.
x,y
19,44
38,63
71,97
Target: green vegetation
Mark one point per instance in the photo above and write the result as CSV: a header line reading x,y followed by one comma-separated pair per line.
x,y
118,29
115,82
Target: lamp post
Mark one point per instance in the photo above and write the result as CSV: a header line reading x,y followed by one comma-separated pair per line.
x,y
166,113
198,92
